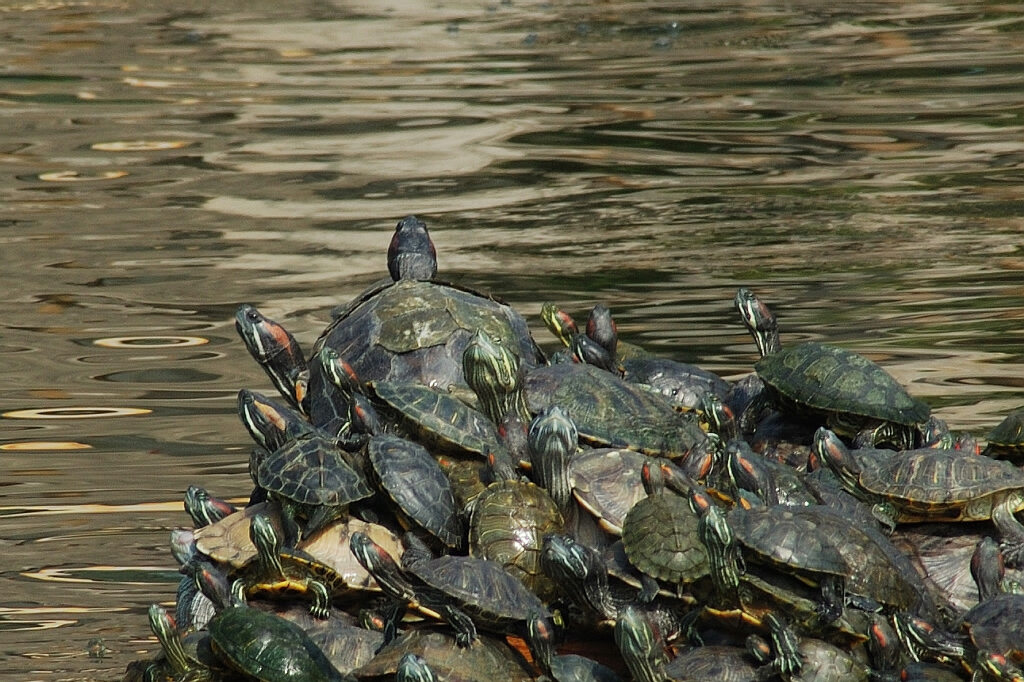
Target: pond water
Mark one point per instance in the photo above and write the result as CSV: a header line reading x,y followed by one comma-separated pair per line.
x,y
860,168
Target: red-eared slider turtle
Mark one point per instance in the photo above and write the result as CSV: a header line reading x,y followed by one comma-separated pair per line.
x,y
277,352
994,625
612,413
682,384
417,487
850,393
468,593
312,479
1006,440
187,657
229,543
414,328
508,523
488,658
931,485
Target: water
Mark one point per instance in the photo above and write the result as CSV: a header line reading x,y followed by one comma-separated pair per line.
x,y
858,167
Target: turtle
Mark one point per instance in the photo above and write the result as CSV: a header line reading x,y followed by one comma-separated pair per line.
x,y
417,487
260,644
467,592
849,392
659,535
508,523
277,352
313,480
610,412
415,328
931,484
994,625
682,384
1006,440
487,658
324,556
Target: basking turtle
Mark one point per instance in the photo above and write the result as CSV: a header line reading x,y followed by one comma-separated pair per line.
x,y
324,556
187,657
468,593
417,487
314,482
1006,440
488,658
931,485
259,644
277,352
508,523
413,328
850,393
610,412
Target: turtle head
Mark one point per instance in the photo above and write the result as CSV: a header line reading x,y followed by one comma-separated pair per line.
x,y
213,583
381,565
552,440
411,254
640,646
759,320
562,558
586,350
748,471
339,372
275,349
833,453
540,637
413,668
601,328
493,371
265,421
166,630
558,322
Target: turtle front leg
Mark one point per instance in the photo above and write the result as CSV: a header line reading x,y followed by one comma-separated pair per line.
x,y
321,607
1010,529
465,628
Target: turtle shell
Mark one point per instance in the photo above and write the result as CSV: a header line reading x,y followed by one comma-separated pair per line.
x,y
611,412
267,647
660,538
228,542
607,483
439,418
311,470
417,485
483,589
487,658
416,331
1008,436
937,484
832,380
508,524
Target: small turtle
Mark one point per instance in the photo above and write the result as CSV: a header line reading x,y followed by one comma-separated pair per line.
x,y
849,392
1006,440
467,592
417,487
312,479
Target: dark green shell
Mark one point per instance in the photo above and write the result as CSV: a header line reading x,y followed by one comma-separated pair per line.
x,y
995,625
508,525
484,589
611,412
440,418
415,482
660,539
832,380
267,647
1009,433
416,331
311,470
714,662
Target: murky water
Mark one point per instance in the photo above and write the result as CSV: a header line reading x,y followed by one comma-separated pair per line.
x,y
860,168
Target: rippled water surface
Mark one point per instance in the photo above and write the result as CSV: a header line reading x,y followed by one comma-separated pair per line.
x,y
861,168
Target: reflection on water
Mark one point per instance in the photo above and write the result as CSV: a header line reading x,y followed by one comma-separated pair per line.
x,y
858,166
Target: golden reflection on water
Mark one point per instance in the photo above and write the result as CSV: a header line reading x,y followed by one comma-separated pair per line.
x,y
45,445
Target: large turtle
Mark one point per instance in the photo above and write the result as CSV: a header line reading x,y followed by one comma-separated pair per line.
x,y
931,484
414,328
849,393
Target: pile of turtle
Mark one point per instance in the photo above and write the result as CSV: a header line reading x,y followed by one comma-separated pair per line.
x,y
435,497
